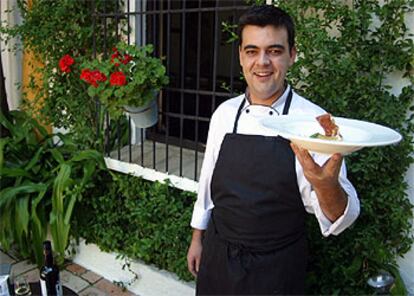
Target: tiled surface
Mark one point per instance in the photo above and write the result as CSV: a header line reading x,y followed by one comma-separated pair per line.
x,y
84,282
91,277
32,275
4,258
75,268
92,291
72,281
22,267
111,289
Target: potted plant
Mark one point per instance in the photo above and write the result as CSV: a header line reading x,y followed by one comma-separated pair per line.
x,y
127,81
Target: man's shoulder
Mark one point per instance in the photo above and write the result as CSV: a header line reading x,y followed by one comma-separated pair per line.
x,y
229,107
304,106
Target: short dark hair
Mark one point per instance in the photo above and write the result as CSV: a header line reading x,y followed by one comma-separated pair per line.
x,y
264,15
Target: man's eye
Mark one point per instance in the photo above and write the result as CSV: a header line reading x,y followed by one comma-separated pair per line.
x,y
250,52
275,52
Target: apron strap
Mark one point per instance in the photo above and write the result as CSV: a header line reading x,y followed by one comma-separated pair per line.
x,y
285,109
287,102
236,121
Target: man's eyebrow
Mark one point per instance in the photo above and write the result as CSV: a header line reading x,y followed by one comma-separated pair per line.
x,y
251,46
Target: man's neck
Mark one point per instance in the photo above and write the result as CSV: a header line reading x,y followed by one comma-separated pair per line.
x,y
267,101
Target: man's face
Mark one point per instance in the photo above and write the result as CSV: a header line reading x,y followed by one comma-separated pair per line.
x,y
265,59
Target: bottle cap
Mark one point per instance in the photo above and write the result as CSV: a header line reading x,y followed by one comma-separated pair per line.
x,y
47,245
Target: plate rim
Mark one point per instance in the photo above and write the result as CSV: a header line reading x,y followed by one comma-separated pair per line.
x,y
339,120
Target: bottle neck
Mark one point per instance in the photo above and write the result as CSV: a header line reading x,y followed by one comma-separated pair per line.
x,y
48,259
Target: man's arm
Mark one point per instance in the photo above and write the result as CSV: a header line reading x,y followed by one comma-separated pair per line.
x,y
324,180
194,251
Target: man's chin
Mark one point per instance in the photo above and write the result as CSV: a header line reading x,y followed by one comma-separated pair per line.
x,y
265,94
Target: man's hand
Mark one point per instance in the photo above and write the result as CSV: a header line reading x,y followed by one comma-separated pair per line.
x,y
194,252
324,180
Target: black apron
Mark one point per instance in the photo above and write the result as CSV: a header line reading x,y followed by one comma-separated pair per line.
x,y
255,242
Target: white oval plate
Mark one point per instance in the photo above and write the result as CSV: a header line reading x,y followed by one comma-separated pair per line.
x,y
356,134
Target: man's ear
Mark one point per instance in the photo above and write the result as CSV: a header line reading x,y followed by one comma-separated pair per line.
x,y
292,54
240,56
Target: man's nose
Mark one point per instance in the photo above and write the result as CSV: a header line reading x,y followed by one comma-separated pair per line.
x,y
264,59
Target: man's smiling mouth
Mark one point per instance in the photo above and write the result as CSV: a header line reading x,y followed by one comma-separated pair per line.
x,y
263,74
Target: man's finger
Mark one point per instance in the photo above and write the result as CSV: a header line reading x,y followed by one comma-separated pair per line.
x,y
334,163
190,265
197,264
303,156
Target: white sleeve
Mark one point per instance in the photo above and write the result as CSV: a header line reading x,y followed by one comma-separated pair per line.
x,y
311,201
204,204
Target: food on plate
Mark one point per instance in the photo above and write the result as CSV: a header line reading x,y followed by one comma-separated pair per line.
x,y
331,130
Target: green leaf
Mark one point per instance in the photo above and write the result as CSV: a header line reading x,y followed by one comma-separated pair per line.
x,y
22,215
9,193
57,155
3,143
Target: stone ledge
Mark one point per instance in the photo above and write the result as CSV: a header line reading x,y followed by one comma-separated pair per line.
x,y
151,281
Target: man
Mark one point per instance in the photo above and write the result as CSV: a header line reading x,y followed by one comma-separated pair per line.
x,y
255,188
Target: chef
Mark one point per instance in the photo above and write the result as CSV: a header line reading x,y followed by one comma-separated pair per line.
x,y
256,187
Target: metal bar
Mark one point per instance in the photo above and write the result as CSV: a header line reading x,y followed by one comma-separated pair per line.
x,y
142,146
108,134
189,117
233,54
197,95
117,20
167,98
141,44
129,118
141,19
155,43
183,31
129,140
118,136
94,16
187,10
105,31
128,23
201,92
118,124
215,54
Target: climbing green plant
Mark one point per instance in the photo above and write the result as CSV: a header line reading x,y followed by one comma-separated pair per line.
x,y
140,219
51,30
347,52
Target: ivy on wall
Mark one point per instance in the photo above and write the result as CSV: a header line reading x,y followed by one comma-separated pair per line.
x,y
347,50
52,29
139,219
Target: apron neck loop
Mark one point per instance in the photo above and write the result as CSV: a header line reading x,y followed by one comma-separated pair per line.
x,y
236,121
287,102
285,108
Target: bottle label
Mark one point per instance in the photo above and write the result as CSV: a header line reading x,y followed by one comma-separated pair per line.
x,y
59,290
43,288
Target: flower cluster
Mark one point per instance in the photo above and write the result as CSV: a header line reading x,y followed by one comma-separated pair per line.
x,y
129,77
92,77
65,63
116,57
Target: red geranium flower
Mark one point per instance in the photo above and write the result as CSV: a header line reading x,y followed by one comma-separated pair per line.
x,y
65,62
117,78
92,77
127,59
115,56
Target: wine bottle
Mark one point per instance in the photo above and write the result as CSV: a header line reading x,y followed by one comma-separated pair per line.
x,y
49,274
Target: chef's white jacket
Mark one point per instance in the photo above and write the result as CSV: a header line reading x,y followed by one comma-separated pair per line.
x,y
222,122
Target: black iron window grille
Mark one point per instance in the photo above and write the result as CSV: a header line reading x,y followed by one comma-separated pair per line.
x,y
203,69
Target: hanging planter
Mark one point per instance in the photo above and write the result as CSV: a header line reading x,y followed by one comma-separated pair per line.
x,y
143,116
126,82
